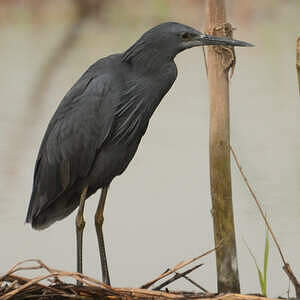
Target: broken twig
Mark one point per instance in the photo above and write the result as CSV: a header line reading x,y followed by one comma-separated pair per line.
x,y
179,266
176,276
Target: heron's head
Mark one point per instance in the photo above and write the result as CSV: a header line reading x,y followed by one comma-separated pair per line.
x,y
168,39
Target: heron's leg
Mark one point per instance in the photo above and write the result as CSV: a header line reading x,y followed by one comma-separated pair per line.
x,y
80,223
98,224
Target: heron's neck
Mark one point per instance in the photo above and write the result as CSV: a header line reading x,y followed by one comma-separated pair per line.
x,y
145,59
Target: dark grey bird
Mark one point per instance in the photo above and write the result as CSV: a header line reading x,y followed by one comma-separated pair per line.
x,y
98,126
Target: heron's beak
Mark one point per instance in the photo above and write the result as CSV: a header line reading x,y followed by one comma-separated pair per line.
x,y
204,40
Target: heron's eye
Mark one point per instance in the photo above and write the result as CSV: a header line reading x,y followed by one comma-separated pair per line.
x,y
185,36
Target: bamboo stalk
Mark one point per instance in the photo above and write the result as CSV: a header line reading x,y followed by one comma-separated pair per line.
x,y
220,60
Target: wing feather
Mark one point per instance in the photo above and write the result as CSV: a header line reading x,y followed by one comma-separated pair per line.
x,y
76,132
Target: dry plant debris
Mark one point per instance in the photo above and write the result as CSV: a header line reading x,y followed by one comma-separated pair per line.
x,y
17,287
50,284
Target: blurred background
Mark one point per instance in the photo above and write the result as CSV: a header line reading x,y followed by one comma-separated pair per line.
x,y
158,211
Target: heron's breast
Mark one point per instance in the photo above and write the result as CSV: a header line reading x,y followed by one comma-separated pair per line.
x,y
111,161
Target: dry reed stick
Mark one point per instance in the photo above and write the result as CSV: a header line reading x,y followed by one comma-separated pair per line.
x,y
286,267
298,61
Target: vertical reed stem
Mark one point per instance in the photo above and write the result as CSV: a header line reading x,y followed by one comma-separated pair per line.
x,y
219,150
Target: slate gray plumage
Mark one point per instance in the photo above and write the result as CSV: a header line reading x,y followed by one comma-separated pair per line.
x,y
98,125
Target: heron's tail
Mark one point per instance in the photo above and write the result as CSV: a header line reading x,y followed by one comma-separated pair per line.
x,y
42,217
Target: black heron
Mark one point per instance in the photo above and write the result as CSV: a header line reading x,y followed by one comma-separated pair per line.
x,y
98,126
